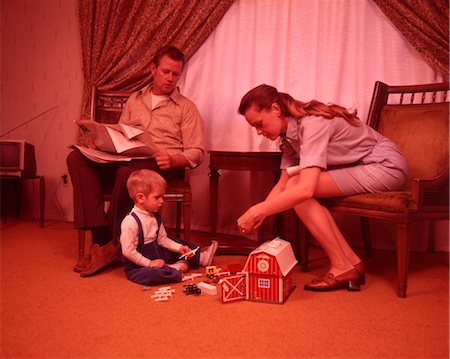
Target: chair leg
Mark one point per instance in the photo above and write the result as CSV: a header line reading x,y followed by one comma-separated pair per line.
x,y
430,242
178,224
187,220
304,246
81,241
366,236
17,187
403,253
297,240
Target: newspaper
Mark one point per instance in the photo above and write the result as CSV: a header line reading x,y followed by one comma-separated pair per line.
x,y
104,157
114,142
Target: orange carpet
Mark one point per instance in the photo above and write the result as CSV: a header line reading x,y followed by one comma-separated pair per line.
x,y
48,311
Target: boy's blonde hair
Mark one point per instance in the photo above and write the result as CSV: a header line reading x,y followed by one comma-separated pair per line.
x,y
144,181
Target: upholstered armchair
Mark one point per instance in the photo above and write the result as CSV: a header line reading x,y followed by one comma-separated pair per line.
x,y
416,119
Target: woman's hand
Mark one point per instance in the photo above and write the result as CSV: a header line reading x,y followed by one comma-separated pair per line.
x,y
251,219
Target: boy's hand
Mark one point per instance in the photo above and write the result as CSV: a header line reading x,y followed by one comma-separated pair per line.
x,y
186,249
158,263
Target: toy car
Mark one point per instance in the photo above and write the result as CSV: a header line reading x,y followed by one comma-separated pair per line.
x,y
191,289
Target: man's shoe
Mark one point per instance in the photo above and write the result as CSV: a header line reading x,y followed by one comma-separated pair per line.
x,y
207,255
100,258
82,263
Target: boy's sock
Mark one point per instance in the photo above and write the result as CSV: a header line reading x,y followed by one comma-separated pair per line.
x,y
181,266
207,255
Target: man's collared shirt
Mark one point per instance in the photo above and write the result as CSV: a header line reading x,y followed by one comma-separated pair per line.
x,y
174,125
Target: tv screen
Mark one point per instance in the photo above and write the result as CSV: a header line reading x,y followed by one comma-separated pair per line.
x,y
17,158
10,155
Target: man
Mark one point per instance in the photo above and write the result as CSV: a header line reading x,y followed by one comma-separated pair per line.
x,y
169,120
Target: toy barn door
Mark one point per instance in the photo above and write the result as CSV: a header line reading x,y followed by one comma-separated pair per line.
x,y
234,287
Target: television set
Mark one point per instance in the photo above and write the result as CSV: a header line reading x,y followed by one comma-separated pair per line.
x,y
17,158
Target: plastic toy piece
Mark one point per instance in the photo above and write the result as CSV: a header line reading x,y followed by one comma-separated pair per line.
x,y
207,288
161,299
234,287
191,276
214,273
188,254
211,271
191,289
163,294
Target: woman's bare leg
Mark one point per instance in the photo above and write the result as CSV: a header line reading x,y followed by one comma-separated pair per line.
x,y
351,255
323,227
315,217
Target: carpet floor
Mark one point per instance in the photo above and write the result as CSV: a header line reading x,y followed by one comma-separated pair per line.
x,y
49,311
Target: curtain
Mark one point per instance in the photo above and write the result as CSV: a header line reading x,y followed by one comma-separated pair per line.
x,y
425,24
330,50
119,37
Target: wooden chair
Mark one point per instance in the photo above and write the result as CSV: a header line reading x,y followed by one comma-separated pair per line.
x,y
106,107
416,119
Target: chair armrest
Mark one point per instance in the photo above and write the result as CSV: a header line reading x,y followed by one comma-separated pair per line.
x,y
432,192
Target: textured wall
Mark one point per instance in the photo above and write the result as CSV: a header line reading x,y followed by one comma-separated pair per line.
x,y
41,81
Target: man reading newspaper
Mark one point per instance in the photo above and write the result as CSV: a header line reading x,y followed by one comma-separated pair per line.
x,y
174,126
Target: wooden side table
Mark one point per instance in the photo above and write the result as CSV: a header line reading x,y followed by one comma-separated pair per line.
x,y
238,161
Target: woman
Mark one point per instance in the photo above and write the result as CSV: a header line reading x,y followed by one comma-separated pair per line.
x,y
327,152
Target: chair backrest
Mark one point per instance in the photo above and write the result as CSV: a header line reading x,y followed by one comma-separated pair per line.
x,y
106,106
416,119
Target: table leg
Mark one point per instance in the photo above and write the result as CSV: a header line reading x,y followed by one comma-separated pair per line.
x,y
42,199
214,194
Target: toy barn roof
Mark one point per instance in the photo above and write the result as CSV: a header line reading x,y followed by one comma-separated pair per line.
x,y
281,250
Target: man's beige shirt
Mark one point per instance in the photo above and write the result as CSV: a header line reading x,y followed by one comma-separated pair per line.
x,y
174,125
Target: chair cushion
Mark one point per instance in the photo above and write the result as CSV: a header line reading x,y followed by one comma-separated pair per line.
x,y
385,201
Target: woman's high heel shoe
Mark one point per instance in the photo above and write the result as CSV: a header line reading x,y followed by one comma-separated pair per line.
x,y
349,280
361,272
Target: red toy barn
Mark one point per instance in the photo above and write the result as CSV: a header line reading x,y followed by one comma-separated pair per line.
x,y
270,272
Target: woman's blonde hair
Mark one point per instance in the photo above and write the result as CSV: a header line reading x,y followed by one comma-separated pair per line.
x,y
144,181
263,96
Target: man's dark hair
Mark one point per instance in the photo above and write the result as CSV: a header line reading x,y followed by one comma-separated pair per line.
x,y
171,51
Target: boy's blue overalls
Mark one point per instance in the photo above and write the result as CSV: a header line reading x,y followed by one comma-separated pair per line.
x,y
154,275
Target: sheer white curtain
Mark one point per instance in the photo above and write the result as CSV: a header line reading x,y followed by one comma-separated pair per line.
x,y
330,50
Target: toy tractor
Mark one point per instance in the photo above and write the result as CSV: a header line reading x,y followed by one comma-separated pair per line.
x,y
213,273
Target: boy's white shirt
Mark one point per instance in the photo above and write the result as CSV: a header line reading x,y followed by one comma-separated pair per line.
x,y
129,236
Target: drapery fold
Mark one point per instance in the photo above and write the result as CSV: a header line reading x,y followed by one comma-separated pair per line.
x,y
425,25
120,37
